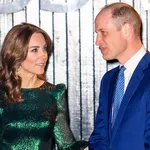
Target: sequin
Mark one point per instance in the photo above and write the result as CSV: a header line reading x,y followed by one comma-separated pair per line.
x,y
33,123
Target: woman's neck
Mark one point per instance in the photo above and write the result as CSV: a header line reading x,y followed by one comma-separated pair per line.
x,y
31,82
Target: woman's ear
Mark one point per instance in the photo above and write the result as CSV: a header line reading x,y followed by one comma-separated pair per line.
x,y
19,69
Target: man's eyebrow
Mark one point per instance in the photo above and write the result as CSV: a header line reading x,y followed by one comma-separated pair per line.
x,y
99,30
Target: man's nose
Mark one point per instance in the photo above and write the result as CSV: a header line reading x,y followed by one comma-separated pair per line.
x,y
98,40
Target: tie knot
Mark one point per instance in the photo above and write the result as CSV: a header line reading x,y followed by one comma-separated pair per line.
x,y
122,69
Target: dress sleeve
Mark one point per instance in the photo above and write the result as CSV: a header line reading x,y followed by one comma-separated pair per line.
x,y
63,134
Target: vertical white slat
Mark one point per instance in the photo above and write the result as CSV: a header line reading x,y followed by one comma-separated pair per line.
x,y
60,48
100,63
5,22
138,6
33,12
47,25
148,38
87,78
74,72
112,1
130,2
3,27
98,5
19,17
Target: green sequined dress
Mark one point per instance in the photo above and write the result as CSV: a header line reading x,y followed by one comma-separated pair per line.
x,y
37,121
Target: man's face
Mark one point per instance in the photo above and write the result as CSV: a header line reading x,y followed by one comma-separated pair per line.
x,y
111,41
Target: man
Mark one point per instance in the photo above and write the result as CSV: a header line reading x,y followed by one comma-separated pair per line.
x,y
127,126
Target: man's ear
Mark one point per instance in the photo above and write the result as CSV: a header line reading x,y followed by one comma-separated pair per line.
x,y
127,30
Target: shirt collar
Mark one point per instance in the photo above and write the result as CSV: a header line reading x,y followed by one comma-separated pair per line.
x,y
131,64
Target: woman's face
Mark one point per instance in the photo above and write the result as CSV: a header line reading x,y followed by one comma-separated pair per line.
x,y
35,61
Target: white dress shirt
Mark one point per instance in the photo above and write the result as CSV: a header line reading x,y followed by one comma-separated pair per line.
x,y
131,64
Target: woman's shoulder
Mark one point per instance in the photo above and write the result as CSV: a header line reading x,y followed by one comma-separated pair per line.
x,y
61,86
56,91
53,87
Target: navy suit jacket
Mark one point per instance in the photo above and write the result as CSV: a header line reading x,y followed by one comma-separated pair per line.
x,y
131,130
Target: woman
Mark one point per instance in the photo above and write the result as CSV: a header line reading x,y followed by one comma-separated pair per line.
x,y
32,111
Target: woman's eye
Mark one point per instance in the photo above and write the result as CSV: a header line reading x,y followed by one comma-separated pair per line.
x,y
45,48
34,50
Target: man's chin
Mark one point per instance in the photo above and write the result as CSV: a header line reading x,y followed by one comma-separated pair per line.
x,y
107,58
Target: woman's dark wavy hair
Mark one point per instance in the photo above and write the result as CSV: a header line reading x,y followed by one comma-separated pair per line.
x,y
13,52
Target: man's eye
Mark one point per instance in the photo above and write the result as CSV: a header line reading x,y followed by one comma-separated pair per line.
x,y
102,32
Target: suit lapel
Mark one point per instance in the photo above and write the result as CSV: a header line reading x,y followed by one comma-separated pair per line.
x,y
110,97
131,88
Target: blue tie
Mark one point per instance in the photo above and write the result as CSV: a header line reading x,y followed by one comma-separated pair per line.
x,y
118,95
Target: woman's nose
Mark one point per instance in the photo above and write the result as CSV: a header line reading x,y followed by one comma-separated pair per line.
x,y
43,53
